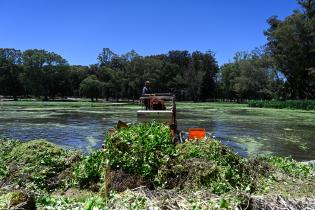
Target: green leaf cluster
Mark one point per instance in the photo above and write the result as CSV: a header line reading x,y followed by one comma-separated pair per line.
x,y
90,169
140,149
88,202
292,167
6,145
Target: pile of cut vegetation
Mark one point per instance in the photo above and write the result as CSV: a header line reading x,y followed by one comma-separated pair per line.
x,y
32,168
140,169
35,164
144,152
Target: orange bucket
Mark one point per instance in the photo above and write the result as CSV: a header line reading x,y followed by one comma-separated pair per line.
x,y
197,133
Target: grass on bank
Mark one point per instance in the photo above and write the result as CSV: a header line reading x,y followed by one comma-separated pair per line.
x,y
288,104
195,174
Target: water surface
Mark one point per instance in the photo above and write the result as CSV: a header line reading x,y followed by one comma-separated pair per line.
x,y
248,131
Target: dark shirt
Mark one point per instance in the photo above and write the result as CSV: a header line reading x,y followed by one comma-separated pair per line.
x,y
146,90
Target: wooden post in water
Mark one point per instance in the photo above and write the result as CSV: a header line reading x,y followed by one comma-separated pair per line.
x,y
173,124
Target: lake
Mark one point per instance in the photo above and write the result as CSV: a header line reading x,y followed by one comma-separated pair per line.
x,y
82,126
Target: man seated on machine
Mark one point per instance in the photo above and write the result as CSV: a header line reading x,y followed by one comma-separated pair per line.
x,y
152,102
146,91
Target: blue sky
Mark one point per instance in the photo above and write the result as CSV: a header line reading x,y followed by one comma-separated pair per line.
x,y
78,30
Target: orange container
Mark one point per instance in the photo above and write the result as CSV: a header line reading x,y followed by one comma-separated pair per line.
x,y
197,133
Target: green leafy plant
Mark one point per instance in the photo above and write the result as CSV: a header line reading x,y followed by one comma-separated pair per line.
x,y
87,202
140,149
3,168
291,167
90,169
6,146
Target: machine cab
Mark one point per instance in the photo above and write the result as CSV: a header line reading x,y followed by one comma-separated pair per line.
x,y
157,107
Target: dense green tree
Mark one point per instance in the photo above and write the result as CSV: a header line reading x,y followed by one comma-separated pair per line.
x,y
229,73
206,63
41,67
106,57
114,85
91,87
10,69
195,79
61,82
181,58
291,43
130,56
250,76
308,7
74,76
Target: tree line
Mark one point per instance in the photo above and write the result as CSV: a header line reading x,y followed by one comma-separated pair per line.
x,y
39,73
284,68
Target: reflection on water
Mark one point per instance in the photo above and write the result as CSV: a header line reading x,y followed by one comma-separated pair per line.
x,y
247,131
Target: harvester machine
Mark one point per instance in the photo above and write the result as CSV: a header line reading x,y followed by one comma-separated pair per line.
x,y
161,107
